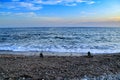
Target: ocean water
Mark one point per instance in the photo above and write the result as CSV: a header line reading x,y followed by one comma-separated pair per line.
x,y
62,39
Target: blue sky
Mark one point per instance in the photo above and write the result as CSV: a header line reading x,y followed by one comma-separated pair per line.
x,y
59,13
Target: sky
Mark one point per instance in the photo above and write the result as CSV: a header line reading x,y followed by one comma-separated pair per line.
x,y
59,13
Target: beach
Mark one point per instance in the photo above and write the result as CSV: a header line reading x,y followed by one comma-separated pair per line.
x,y
59,39
26,67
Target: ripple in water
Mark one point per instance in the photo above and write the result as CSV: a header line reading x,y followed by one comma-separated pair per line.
x,y
78,40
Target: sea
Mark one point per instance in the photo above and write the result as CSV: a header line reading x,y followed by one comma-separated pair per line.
x,y
61,39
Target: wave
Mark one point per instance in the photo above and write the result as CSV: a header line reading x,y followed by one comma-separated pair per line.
x,y
62,49
78,40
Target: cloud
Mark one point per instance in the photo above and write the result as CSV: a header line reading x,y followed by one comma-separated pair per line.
x,y
48,2
7,5
73,4
20,5
5,13
30,6
91,2
30,16
33,19
19,14
63,2
116,18
39,4
27,14
87,13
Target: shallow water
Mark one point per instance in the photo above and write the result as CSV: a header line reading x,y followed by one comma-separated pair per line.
x,y
51,39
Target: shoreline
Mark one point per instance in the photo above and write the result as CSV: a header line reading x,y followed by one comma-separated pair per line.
x,y
58,67
46,53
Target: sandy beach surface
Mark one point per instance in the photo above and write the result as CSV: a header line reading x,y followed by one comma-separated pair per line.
x,y
21,67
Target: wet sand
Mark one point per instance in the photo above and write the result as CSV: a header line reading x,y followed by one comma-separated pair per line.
x,y
21,67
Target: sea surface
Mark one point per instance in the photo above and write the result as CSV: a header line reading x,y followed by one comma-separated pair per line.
x,y
61,39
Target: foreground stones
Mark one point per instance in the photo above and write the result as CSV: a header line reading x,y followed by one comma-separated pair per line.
x,y
14,67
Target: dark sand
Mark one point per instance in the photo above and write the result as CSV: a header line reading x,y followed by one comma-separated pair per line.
x,y
17,67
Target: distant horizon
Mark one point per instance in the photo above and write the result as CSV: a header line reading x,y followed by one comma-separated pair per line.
x,y
56,13
61,27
